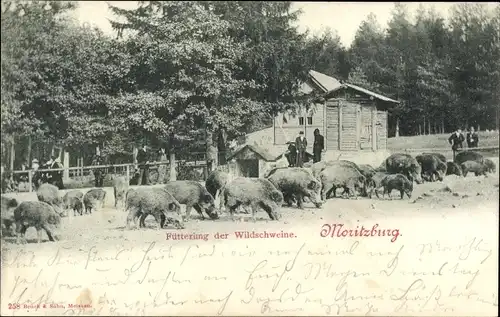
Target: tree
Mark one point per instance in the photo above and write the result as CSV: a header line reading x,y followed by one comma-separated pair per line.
x,y
474,49
184,73
28,29
326,54
274,54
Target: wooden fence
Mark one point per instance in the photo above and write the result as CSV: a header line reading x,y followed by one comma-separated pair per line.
x,y
174,169
127,169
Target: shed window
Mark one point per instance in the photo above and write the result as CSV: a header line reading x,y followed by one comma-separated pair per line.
x,y
301,120
309,120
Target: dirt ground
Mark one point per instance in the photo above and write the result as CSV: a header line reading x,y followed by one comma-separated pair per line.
x,y
467,205
460,194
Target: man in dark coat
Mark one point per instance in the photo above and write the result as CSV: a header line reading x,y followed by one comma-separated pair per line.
x,y
99,173
319,146
456,139
301,144
291,156
472,138
143,161
56,178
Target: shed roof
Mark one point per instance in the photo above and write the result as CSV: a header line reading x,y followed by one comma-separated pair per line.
x,y
329,85
263,153
324,82
365,91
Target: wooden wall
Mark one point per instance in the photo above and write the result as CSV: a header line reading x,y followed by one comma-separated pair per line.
x,y
332,124
351,128
347,125
382,130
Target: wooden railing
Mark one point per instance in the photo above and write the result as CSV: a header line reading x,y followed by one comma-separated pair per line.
x,y
127,166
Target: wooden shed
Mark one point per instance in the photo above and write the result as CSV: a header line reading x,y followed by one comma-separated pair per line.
x,y
252,161
356,119
351,118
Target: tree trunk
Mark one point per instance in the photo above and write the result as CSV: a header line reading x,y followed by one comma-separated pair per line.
x,y
65,161
211,148
171,151
497,122
28,154
397,127
134,155
222,148
424,127
173,174
419,129
442,125
12,154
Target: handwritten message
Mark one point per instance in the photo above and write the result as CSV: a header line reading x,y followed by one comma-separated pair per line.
x,y
424,273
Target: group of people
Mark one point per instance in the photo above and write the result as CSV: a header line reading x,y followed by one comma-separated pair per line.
x,y
297,154
456,139
143,159
141,176
51,177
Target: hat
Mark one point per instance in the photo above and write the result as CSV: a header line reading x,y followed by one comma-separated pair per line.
x,y
34,161
301,132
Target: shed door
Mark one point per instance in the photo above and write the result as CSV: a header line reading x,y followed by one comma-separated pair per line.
x,y
249,168
349,132
332,125
365,126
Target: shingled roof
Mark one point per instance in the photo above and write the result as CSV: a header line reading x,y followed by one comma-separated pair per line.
x,y
263,153
324,82
330,85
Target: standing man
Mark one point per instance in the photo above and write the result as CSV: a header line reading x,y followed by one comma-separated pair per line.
x,y
143,161
318,147
36,178
98,172
456,139
57,175
472,138
291,154
301,144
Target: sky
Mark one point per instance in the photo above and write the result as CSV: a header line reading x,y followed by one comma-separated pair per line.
x,y
344,17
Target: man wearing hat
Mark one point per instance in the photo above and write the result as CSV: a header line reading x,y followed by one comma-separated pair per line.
x,y
291,154
456,139
35,164
57,175
99,173
143,161
301,145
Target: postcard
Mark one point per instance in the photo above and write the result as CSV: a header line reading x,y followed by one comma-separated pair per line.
x,y
249,158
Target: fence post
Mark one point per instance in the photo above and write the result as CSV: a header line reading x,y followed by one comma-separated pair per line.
x,y
127,174
173,174
30,181
205,172
66,165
